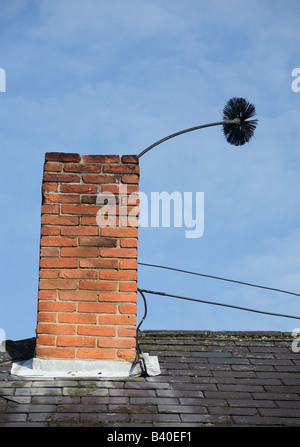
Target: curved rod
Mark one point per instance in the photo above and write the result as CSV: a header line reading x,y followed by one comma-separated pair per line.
x,y
219,123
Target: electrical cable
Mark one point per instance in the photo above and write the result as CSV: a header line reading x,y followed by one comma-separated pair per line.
x,y
142,320
138,350
219,278
218,304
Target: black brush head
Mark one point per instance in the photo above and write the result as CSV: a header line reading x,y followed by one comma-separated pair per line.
x,y
242,130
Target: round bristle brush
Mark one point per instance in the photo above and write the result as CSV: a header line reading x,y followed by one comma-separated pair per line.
x,y
238,125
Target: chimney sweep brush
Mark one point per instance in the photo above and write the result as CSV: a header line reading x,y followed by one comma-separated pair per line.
x,y
238,125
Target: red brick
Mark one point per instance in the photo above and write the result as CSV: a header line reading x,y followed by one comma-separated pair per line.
x,y
78,189
116,343
97,308
91,199
50,231
126,355
47,295
130,159
80,209
79,231
121,169
87,220
97,285
46,340
50,209
77,318
87,342
127,309
118,297
106,308
118,253
128,264
56,307
61,198
62,157
97,242
99,263
118,275
49,252
58,242
80,252
128,287
61,178
49,187
58,263
105,354
130,179
48,274
119,232
53,167
132,189
97,331
128,243
59,284
46,317
56,329
114,189
75,167
100,179
126,332
78,274
60,220
55,353
78,296
117,319
101,158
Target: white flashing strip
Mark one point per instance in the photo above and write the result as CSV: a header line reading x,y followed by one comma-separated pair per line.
x,y
152,365
46,368
36,367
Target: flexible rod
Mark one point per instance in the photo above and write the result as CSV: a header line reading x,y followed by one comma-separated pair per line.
x,y
219,123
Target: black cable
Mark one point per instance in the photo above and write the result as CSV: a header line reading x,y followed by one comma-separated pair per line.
x,y
218,304
138,350
217,277
138,327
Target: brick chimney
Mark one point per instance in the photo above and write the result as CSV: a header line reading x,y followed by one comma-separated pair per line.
x,y
87,300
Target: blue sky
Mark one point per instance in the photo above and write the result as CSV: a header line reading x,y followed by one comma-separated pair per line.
x,y
112,77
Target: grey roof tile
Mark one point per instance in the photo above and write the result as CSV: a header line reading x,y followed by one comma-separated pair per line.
x,y
207,379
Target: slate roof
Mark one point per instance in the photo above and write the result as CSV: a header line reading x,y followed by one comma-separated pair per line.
x,y
240,379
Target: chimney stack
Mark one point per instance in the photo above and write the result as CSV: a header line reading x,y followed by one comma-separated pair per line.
x,y
87,300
